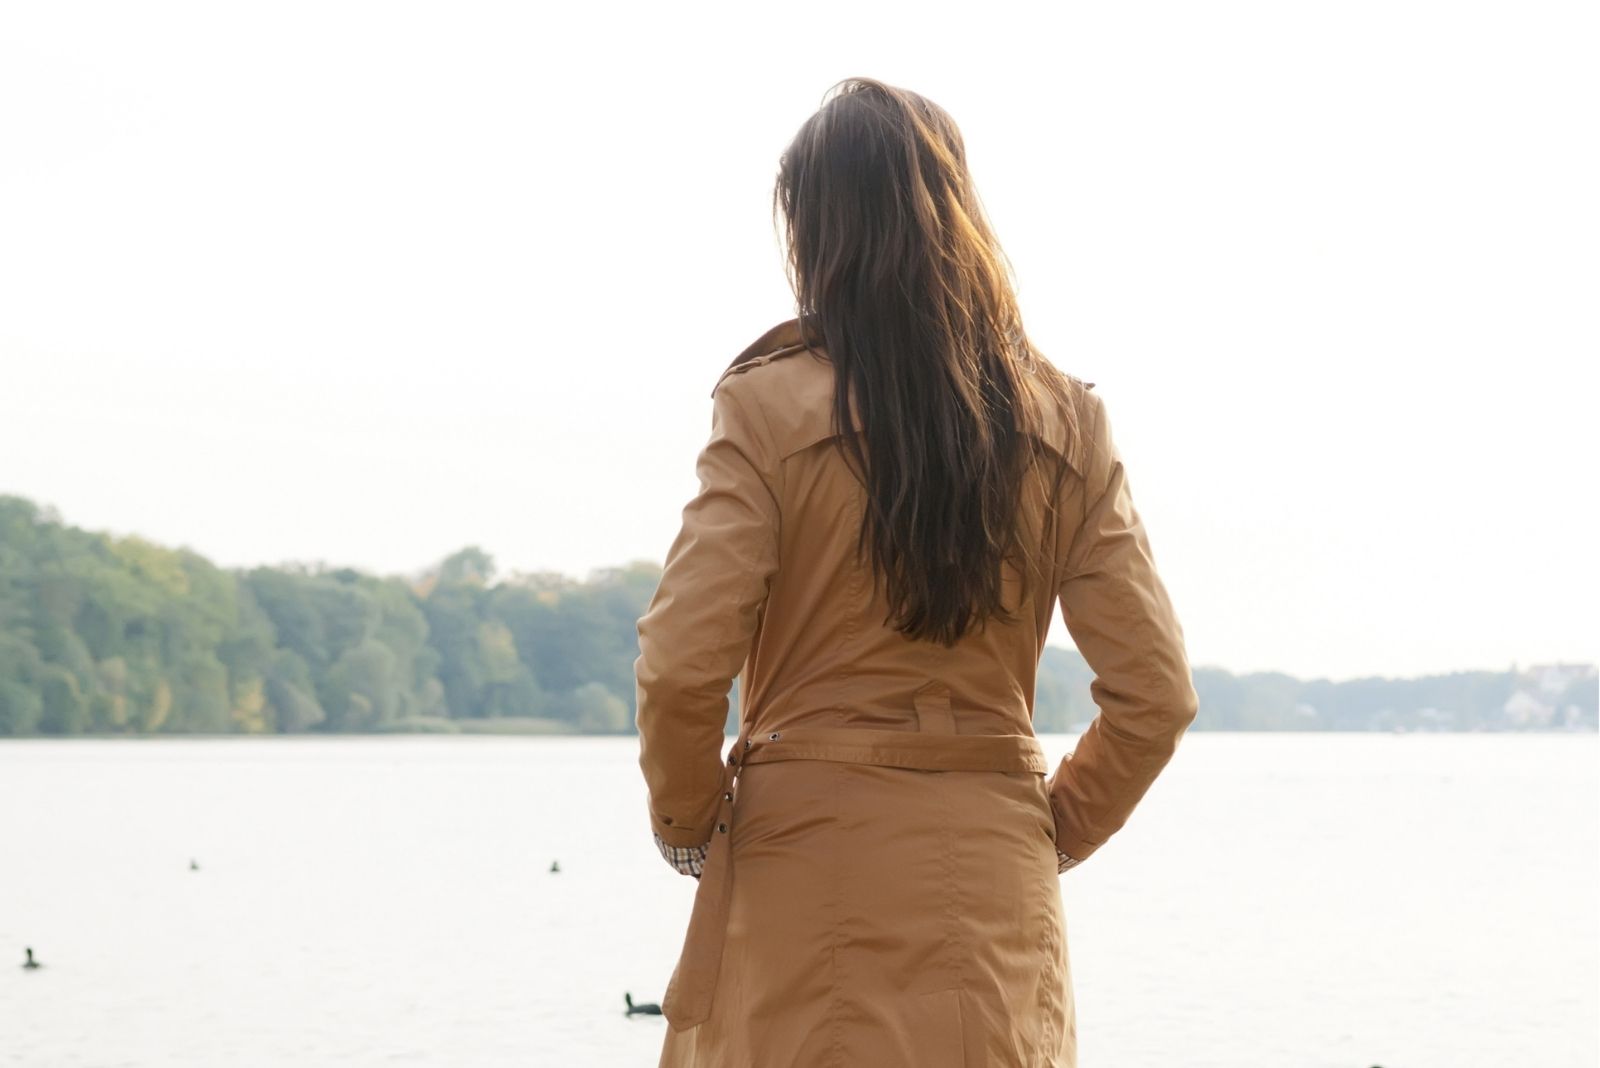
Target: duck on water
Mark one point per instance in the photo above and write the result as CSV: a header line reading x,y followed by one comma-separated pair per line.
x,y
648,1008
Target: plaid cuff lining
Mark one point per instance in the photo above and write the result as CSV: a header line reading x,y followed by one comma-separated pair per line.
x,y
687,860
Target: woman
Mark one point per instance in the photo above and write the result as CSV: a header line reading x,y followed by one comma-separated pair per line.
x,y
897,490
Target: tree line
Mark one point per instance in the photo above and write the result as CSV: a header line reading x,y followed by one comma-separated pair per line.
x,y
116,635
102,634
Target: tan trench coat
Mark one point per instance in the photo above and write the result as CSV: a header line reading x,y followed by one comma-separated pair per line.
x,y
881,887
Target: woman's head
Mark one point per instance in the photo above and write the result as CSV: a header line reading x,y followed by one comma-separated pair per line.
x,y
899,279
874,193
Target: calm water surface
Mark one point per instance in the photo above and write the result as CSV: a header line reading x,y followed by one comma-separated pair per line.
x,y
1414,901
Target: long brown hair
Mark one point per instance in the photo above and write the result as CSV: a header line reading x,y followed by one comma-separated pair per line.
x,y
900,281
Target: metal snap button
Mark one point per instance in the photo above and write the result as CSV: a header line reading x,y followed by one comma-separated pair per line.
x,y
773,736
727,797
722,828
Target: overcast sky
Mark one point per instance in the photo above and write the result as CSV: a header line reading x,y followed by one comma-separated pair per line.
x,y
367,283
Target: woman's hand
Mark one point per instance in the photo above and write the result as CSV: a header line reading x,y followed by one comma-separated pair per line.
x,y
685,860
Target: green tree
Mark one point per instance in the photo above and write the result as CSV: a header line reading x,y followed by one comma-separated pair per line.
x,y
598,710
65,710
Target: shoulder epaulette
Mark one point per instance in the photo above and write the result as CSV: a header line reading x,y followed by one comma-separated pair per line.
x,y
782,340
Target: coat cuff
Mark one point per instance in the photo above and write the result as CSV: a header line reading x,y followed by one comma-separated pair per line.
x,y
676,834
1078,849
1067,841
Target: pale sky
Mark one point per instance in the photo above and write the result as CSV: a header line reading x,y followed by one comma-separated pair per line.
x,y
367,283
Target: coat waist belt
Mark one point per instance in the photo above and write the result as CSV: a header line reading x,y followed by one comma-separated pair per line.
x,y
687,1001
900,749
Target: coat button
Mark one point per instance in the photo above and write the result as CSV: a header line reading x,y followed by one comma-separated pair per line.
x,y
727,797
773,736
722,828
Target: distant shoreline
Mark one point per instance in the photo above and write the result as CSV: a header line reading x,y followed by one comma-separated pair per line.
x,y
104,636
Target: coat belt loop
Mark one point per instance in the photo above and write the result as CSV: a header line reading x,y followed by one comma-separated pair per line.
x,y
932,703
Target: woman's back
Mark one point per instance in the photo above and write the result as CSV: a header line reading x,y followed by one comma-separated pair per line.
x,y
764,574
824,653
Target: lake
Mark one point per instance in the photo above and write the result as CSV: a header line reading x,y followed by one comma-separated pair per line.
x,y
1337,900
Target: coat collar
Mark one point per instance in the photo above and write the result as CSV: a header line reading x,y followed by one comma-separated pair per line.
x,y
784,339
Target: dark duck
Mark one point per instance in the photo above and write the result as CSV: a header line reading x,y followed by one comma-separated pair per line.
x,y
648,1008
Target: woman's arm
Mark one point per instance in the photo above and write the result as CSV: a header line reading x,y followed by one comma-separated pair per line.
x,y
1122,621
697,631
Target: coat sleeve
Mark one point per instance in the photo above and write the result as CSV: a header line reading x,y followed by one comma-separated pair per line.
x,y
698,629
1122,621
